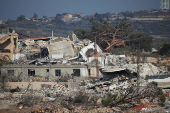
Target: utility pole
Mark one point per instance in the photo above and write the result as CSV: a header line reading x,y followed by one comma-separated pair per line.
x,y
40,52
51,37
97,65
138,71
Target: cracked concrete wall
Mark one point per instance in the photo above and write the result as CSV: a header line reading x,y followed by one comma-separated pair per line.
x,y
10,43
42,70
61,47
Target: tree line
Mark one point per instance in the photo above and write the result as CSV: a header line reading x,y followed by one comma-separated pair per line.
x,y
103,30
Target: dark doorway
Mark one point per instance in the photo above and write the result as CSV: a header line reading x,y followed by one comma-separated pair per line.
x,y
47,70
58,72
10,72
76,72
31,72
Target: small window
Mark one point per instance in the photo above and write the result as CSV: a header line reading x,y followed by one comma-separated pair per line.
x,y
47,70
76,72
57,72
89,71
11,72
31,72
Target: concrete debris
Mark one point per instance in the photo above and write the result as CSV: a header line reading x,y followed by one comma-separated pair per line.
x,y
76,75
63,47
29,42
146,69
89,51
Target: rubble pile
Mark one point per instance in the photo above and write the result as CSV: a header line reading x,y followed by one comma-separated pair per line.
x,y
108,80
60,109
146,69
63,97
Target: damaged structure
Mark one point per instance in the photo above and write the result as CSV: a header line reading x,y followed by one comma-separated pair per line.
x,y
85,58
8,43
73,66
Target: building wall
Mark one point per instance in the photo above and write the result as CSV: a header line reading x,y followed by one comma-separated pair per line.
x,y
11,43
62,47
5,45
42,70
34,85
147,19
93,72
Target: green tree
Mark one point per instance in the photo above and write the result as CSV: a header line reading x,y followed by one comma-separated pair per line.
x,y
58,19
10,21
83,34
35,15
165,50
97,16
103,29
142,40
21,18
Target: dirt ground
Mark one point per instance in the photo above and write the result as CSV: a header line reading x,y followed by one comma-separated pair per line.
x,y
16,110
7,107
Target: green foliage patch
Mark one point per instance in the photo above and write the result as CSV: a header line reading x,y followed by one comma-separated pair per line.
x,y
110,98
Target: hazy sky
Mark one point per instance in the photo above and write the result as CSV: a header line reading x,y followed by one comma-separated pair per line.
x,y
11,9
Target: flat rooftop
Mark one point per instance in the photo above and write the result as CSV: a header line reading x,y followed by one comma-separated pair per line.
x,y
44,66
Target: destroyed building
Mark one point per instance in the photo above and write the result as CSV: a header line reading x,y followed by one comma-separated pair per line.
x,y
8,43
54,57
41,64
51,71
47,56
60,48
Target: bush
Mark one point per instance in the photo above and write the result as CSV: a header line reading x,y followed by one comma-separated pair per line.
x,y
165,50
154,83
119,51
106,101
80,98
161,97
159,93
63,78
110,98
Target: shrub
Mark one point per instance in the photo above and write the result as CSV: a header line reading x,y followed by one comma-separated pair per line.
x,y
106,101
63,79
161,96
159,93
119,51
110,98
80,98
154,83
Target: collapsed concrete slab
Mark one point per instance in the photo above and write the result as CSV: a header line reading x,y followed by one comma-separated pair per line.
x,y
115,72
90,51
61,48
146,69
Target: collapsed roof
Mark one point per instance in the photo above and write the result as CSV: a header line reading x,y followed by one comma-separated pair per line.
x,y
92,50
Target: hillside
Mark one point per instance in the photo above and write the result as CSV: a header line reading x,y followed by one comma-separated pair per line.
x,y
153,22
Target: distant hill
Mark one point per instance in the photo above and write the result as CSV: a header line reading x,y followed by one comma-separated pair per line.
x,y
151,22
